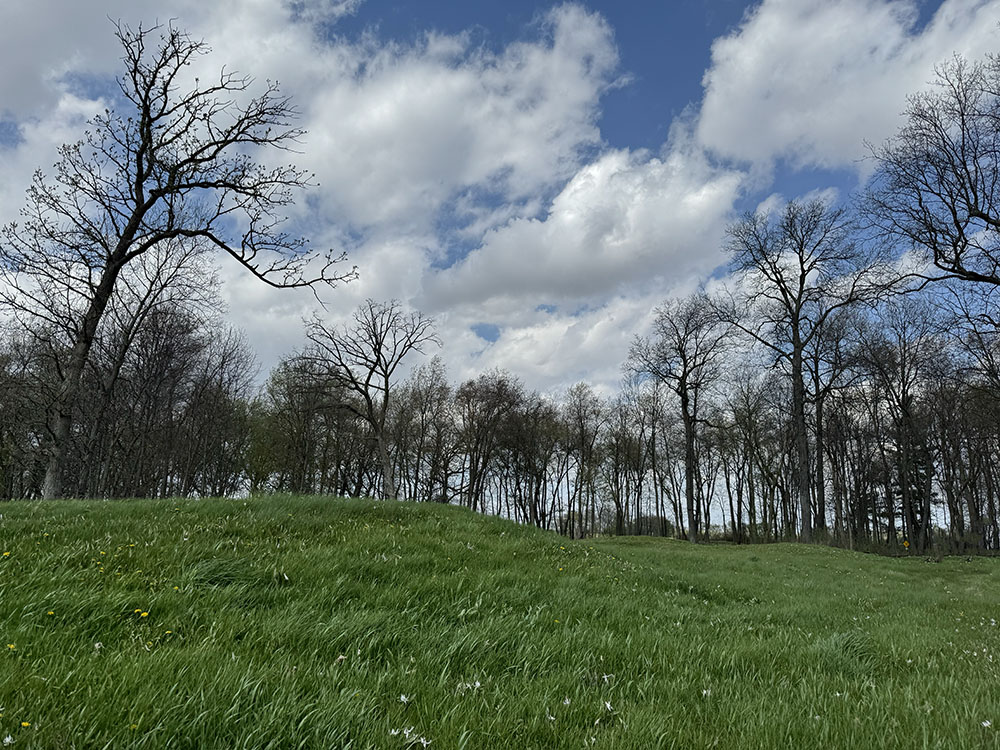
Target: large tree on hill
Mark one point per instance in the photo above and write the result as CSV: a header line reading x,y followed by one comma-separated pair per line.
x,y
174,162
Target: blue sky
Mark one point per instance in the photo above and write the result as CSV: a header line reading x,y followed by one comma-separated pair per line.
x,y
537,176
664,48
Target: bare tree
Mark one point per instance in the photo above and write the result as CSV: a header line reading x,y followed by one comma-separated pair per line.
x,y
827,362
797,270
482,407
937,183
425,422
585,416
362,358
683,353
174,165
899,349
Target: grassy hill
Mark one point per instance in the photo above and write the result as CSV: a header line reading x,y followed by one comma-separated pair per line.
x,y
313,622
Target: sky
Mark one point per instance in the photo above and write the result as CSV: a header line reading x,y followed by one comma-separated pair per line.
x,y
536,176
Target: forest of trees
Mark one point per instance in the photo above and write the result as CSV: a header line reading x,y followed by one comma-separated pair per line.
x,y
840,383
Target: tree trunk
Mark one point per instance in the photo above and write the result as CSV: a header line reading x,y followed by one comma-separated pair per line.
x,y
61,413
689,463
388,480
820,465
801,440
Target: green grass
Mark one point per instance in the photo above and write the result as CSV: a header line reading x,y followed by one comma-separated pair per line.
x,y
301,622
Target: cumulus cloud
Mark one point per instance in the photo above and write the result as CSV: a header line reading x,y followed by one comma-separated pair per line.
x,y
397,131
809,80
625,219
552,350
45,40
39,139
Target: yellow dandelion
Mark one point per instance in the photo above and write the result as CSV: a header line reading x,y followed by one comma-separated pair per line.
x,y
25,724
6,554
50,613
144,614
136,611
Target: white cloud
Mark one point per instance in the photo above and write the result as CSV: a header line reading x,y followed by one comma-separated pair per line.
x,y
43,40
40,138
625,220
810,80
549,351
397,131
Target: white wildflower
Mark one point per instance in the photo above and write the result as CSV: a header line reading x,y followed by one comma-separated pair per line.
x,y
607,705
706,692
549,716
466,686
987,724
565,701
8,740
404,698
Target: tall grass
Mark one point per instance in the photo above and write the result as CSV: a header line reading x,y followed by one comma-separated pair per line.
x,y
316,622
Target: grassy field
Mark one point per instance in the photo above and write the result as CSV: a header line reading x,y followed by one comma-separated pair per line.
x,y
321,623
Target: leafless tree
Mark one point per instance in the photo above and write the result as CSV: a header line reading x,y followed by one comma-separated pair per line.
x,y
899,349
683,353
175,164
482,407
424,432
362,358
795,271
937,183
585,417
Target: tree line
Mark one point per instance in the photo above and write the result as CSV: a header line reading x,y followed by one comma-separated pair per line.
x,y
840,382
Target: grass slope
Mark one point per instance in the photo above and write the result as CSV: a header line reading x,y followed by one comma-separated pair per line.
x,y
312,622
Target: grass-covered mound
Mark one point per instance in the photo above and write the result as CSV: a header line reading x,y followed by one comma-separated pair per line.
x,y
323,623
